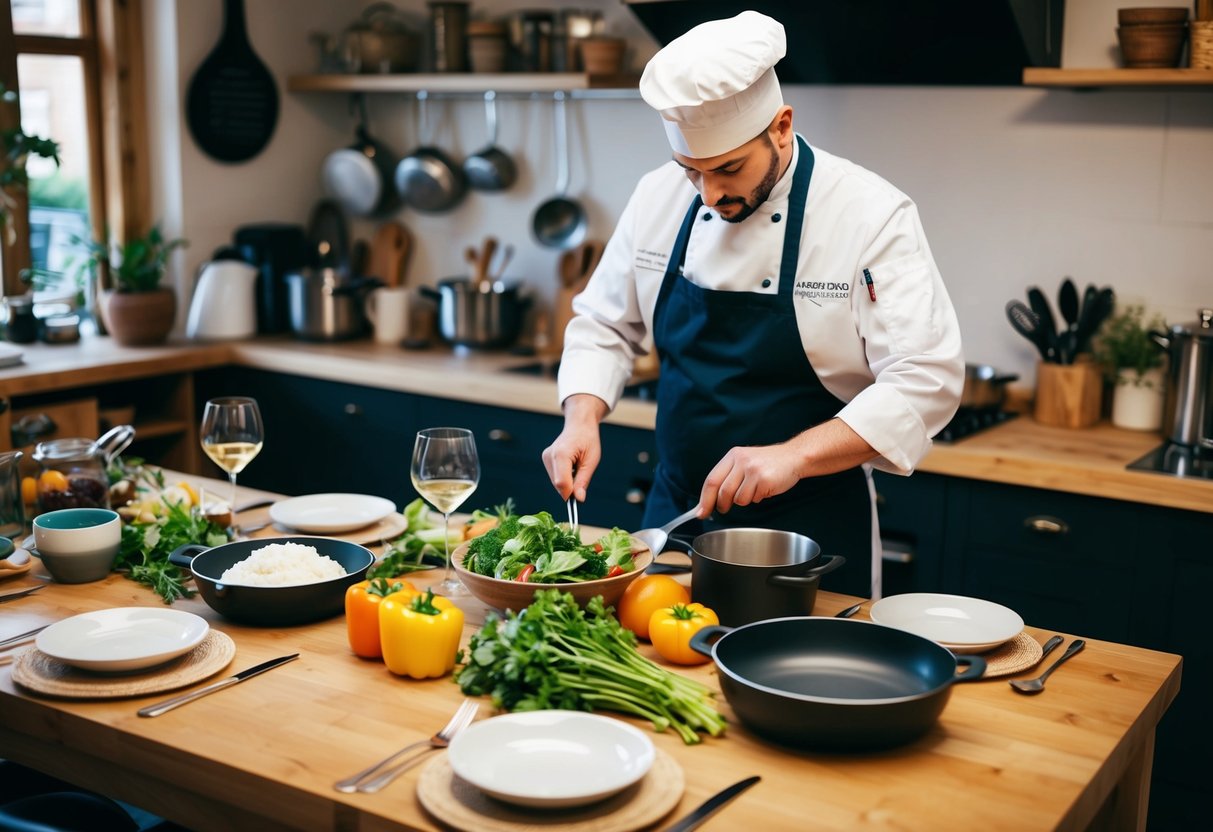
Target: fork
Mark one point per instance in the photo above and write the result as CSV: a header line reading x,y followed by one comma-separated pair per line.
x,y
460,720
572,507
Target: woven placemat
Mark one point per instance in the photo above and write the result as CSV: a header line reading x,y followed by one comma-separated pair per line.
x,y
1018,654
38,672
458,804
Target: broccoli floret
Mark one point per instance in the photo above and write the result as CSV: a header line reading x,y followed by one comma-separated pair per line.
x,y
595,562
485,551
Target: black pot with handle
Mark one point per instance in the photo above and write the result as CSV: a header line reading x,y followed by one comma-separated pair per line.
x,y
273,606
834,683
747,575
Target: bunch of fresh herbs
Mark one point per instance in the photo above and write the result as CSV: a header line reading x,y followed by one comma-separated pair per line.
x,y
143,555
553,654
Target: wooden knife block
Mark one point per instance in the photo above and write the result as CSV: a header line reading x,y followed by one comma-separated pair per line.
x,y
1069,395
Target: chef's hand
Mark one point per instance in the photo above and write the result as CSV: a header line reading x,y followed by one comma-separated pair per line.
x,y
747,475
572,459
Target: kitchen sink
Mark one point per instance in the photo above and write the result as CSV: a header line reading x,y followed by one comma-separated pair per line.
x,y
643,389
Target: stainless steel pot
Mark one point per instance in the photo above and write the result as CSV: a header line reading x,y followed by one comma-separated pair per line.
x,y
984,386
1188,407
324,306
747,575
471,317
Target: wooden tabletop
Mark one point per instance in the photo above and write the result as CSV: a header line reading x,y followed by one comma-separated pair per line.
x,y
263,755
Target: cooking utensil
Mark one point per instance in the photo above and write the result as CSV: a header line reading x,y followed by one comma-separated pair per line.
x,y
325,306
849,611
359,177
273,606
1048,325
329,236
470,317
490,168
560,222
656,539
1036,685
1067,302
483,282
571,505
232,103
1188,406
834,683
243,676
750,574
1049,647
1027,323
390,249
712,805
462,717
984,386
428,179
501,262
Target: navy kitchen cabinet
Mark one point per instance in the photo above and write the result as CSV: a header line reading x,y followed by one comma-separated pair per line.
x,y
913,520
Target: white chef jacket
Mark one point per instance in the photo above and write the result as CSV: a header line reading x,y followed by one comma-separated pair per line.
x,y
895,362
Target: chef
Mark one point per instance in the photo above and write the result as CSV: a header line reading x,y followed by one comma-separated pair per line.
x,y
803,330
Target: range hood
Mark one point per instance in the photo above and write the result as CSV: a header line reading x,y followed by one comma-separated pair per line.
x,y
947,42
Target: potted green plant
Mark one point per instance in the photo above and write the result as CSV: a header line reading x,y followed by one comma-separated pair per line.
x,y
1132,362
137,311
17,147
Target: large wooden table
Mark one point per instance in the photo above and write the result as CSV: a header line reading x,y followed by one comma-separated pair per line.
x,y
263,755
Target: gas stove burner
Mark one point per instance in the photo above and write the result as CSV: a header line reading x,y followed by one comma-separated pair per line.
x,y
971,420
1176,460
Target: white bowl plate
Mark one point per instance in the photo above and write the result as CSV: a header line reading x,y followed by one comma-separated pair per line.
x,y
328,513
551,759
122,639
957,622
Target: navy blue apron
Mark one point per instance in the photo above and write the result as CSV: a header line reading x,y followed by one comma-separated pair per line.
x,y
734,372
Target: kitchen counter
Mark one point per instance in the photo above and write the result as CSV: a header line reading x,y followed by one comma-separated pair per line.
x,y
1020,452
263,755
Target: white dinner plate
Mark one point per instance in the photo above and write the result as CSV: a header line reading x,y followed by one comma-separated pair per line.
x,y
122,639
327,513
10,356
551,759
957,622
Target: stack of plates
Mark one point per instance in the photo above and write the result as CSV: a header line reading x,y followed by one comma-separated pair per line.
x,y
331,513
10,356
957,622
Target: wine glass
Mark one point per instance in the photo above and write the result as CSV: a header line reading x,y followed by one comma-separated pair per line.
x,y
232,435
445,471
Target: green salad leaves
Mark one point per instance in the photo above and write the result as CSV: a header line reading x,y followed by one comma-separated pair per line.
x,y
553,549
143,554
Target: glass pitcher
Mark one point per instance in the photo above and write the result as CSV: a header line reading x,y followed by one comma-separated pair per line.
x,y
12,512
73,471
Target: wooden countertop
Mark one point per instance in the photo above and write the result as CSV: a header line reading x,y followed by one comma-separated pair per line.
x,y
1020,452
263,755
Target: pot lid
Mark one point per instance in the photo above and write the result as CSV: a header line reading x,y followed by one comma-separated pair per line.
x,y
1201,328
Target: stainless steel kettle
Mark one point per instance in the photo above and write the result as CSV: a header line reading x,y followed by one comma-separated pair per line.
x,y
1188,409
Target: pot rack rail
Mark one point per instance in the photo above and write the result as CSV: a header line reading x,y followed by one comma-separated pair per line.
x,y
524,85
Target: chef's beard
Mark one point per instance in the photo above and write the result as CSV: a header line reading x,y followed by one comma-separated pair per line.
x,y
760,193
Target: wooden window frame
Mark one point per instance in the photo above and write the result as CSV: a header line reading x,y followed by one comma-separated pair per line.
x,y
110,48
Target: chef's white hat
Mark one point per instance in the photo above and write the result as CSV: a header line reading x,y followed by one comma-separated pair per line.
x,y
715,86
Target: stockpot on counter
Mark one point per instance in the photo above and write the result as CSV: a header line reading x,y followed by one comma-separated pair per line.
x,y
472,314
327,306
747,575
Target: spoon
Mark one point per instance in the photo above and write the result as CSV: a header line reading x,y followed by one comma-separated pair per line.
x,y
849,611
655,539
1038,684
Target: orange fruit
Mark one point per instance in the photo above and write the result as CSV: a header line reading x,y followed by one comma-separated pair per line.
x,y
646,595
52,480
29,490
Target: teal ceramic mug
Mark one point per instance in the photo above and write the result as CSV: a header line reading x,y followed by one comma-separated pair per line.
x,y
78,545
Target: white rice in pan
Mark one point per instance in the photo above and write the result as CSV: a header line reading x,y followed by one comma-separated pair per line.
x,y
283,564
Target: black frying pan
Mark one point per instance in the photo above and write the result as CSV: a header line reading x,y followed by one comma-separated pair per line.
x,y
232,103
273,606
834,683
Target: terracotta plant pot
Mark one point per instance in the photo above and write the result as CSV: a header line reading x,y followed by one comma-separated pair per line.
x,y
138,319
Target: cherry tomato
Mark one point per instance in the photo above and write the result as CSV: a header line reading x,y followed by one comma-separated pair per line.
x,y
525,574
615,571
646,595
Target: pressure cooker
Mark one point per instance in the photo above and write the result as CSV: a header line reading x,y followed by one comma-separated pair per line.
x,y
1188,408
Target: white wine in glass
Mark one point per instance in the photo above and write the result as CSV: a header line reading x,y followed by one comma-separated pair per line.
x,y
445,471
231,435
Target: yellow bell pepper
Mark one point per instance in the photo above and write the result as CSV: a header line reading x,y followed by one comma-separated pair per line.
x,y
419,634
362,602
671,629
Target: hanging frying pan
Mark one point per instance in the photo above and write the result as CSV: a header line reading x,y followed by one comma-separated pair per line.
x,y
232,103
359,177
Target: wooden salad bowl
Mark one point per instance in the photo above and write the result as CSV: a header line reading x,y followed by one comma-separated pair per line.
x,y
512,595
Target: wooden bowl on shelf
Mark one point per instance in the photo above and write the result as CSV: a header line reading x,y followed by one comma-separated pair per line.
x,y
1152,15
1152,45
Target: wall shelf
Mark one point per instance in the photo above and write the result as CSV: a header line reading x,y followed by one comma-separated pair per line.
x,y
1090,78
438,85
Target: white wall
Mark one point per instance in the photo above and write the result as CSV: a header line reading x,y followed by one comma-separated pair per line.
x,y
1016,186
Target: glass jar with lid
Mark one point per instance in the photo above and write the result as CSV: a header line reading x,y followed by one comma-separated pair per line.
x,y
73,471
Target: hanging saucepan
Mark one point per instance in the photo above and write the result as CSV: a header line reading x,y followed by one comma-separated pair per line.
x,y
560,222
359,177
273,606
747,575
834,683
490,168
427,179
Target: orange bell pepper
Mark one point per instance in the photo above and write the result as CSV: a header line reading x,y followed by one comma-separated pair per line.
x,y
362,613
671,629
419,635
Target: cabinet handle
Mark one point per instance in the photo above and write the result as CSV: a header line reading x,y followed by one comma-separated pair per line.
x,y
894,551
634,496
352,409
499,435
1043,524
643,457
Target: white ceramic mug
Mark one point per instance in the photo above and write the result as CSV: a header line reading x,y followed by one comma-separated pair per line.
x,y
388,310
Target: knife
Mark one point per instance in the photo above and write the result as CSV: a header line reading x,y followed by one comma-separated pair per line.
x,y
176,701
712,805
8,596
